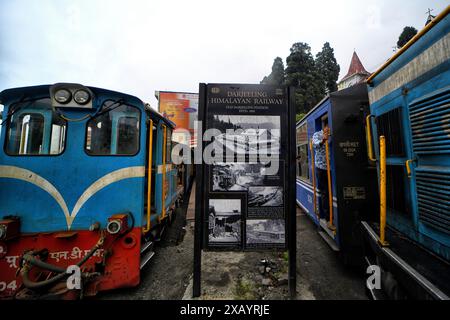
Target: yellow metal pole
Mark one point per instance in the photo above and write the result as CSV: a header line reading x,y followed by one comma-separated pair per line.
x,y
330,191
164,174
383,242
313,167
149,180
369,139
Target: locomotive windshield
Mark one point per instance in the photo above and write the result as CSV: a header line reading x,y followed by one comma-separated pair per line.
x,y
35,129
115,132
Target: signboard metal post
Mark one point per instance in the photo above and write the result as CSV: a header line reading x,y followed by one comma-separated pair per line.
x,y
292,212
198,231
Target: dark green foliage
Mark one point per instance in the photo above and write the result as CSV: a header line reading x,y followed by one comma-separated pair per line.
x,y
407,34
277,75
302,74
311,78
328,67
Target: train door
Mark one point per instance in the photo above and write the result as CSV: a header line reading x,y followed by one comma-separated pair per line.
x,y
428,168
152,142
322,182
392,124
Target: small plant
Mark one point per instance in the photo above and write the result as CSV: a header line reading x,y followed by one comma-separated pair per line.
x,y
244,290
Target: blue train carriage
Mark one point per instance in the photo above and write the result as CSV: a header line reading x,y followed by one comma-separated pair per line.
x,y
353,176
410,107
85,179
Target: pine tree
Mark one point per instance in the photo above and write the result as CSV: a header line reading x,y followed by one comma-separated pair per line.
x,y
276,77
301,73
327,67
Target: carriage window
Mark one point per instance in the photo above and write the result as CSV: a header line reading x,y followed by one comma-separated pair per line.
x,y
35,129
114,133
302,152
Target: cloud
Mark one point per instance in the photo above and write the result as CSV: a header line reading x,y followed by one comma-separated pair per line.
x,y
141,46
373,20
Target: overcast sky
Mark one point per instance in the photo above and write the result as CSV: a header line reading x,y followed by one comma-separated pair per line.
x,y
138,47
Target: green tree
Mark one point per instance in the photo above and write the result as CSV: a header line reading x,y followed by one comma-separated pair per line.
x,y
301,73
327,67
276,77
407,34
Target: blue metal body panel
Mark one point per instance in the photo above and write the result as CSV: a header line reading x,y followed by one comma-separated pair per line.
x,y
428,147
71,173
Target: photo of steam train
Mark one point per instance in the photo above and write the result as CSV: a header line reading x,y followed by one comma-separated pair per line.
x,y
250,135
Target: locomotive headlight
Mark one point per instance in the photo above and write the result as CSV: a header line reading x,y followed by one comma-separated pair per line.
x,y
82,97
63,96
114,226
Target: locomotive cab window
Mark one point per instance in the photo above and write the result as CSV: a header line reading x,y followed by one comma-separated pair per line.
x,y
115,132
35,129
302,152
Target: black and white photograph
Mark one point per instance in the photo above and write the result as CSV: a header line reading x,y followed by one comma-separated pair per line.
x,y
265,196
254,134
265,231
235,176
224,221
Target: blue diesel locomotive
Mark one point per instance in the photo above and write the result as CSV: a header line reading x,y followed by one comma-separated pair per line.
x,y
391,204
86,179
410,107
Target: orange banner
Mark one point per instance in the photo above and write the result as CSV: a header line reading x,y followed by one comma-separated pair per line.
x,y
180,108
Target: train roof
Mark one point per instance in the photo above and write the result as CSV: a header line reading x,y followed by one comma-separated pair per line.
x,y
158,115
418,36
8,95
351,91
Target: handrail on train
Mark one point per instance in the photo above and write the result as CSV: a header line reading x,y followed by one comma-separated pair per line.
x,y
330,191
164,173
419,35
149,179
383,241
314,178
369,139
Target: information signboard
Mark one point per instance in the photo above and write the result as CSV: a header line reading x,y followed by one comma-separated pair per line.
x,y
246,181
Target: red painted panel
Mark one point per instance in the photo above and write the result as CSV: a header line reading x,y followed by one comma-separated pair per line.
x,y
122,258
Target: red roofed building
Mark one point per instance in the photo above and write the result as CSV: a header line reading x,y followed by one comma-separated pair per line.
x,y
356,74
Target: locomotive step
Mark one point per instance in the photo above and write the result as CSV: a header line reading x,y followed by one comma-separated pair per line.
x,y
324,225
329,241
146,246
146,258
